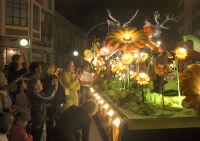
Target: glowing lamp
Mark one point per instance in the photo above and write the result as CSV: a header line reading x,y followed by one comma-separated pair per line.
x,y
92,90
136,55
158,43
181,53
131,72
106,106
120,64
98,97
116,122
127,37
110,113
143,75
75,53
101,102
23,42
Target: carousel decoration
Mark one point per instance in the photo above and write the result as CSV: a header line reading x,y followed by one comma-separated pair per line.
x,y
190,87
181,53
127,39
142,79
127,58
106,50
157,29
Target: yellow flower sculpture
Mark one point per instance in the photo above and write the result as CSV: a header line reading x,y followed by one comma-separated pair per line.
x,y
88,55
143,57
127,39
127,58
143,79
190,86
181,53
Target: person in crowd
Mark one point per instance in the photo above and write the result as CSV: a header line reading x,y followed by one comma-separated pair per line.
x,y
35,70
86,81
18,130
16,72
71,84
38,106
5,100
53,106
76,118
22,102
6,121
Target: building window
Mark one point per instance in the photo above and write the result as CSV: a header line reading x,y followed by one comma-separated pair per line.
x,y
16,12
36,17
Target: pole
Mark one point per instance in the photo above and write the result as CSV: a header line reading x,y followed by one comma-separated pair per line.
x,y
178,84
30,31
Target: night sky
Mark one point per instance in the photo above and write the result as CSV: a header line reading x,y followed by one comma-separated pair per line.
x,y
87,13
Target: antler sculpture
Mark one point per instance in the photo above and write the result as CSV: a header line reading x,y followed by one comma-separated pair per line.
x,y
112,21
168,18
112,18
131,19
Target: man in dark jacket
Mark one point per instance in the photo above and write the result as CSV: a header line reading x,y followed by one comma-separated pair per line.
x,y
76,118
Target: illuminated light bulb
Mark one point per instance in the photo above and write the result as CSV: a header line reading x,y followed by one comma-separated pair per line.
x,y
182,50
127,37
98,97
23,42
106,106
95,95
131,72
181,53
120,64
126,57
101,102
136,55
143,75
158,43
92,89
116,122
92,74
110,112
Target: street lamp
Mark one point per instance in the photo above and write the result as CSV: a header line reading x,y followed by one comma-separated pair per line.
x,y
75,53
24,43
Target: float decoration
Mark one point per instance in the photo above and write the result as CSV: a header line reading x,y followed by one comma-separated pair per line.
x,y
190,87
127,39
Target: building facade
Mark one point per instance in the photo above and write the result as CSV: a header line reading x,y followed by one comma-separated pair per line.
x,y
189,17
67,38
27,19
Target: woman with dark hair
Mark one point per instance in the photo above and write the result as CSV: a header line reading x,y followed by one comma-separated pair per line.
x,y
53,106
71,84
16,72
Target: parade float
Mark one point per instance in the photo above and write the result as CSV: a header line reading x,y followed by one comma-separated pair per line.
x,y
141,91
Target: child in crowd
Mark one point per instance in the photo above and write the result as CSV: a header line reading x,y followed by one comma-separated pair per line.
x,y
22,101
6,121
5,100
18,130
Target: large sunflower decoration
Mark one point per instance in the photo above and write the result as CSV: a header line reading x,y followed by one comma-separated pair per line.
x,y
127,39
190,87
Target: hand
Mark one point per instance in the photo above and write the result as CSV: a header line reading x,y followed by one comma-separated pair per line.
x,y
4,93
